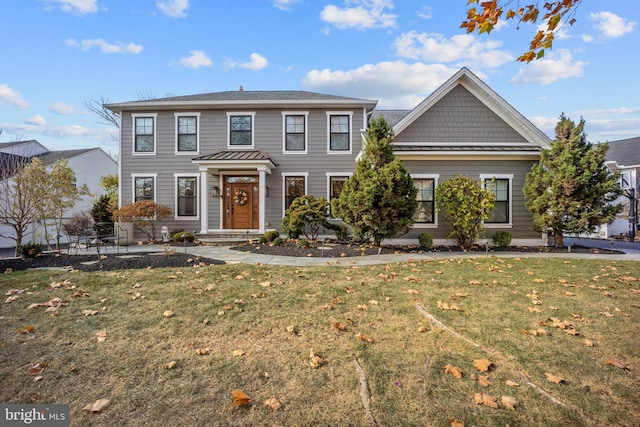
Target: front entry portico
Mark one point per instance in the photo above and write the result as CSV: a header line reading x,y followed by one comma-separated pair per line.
x,y
233,190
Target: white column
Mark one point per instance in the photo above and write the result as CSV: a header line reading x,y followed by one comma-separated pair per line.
x,y
204,203
263,201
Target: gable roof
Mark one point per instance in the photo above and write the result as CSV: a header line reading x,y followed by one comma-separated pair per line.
x,y
488,97
625,152
250,99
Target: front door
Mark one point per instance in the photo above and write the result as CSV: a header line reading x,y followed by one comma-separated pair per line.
x,y
241,202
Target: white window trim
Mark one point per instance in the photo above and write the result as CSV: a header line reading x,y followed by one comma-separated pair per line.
x,y
175,196
435,177
253,129
339,113
133,134
284,188
144,175
284,131
197,150
488,177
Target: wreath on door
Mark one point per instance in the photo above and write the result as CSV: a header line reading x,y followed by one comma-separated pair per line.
x,y
240,197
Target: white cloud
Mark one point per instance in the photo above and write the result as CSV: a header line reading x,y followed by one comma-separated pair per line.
x,y
197,59
36,120
380,81
462,49
610,24
78,7
118,47
173,8
559,65
62,108
284,4
54,131
607,111
256,62
11,97
363,14
426,12
587,38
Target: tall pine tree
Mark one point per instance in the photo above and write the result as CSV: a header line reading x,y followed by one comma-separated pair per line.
x,y
379,200
570,190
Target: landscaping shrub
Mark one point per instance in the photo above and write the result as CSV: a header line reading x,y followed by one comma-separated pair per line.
x,y
342,232
425,240
271,235
145,215
183,236
101,210
262,240
277,241
306,216
303,243
502,238
30,250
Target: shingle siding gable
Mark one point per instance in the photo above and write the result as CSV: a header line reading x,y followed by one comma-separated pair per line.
x,y
459,117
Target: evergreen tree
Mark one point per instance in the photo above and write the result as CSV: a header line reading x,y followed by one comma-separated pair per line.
x,y
570,190
379,200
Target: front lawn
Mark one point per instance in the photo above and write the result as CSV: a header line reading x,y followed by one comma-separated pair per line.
x,y
168,346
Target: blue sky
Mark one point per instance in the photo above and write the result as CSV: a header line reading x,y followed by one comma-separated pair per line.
x,y
59,54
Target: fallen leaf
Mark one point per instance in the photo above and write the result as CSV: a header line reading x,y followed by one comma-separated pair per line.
x,y
570,294
482,365
28,329
89,312
512,383
36,369
365,337
240,398
617,364
238,353
486,400
453,370
100,336
509,402
339,326
484,380
171,365
292,330
588,343
554,378
168,314
273,403
456,423
97,406
11,299
203,351
316,361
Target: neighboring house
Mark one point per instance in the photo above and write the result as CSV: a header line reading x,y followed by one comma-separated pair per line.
x,y
89,165
233,161
624,156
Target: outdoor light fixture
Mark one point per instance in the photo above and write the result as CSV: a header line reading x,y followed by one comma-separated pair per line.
x,y
215,191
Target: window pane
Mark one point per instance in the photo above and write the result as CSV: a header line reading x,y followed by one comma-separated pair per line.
x,y
240,130
187,196
144,134
339,133
294,133
294,188
187,143
143,188
425,197
187,134
500,212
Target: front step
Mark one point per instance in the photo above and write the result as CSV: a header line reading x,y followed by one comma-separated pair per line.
x,y
227,238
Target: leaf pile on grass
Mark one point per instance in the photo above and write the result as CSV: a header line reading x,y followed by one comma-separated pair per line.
x,y
239,345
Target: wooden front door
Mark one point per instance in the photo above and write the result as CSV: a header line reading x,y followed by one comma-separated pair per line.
x,y
241,204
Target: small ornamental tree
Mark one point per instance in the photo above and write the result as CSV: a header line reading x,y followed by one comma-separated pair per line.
x,y
571,189
465,204
379,199
306,215
145,215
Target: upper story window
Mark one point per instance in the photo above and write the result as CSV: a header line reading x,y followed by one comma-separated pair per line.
x,y
339,131
144,134
187,132
144,187
425,212
500,185
241,129
295,132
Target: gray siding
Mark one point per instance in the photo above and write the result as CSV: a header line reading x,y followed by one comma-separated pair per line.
x,y
459,117
521,218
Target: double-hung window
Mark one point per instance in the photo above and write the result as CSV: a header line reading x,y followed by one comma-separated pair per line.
x,y
144,187
426,197
500,186
295,185
295,132
187,133
335,184
241,130
339,132
186,196
144,134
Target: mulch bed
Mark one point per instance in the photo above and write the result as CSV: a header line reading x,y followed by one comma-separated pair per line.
x,y
333,249
105,262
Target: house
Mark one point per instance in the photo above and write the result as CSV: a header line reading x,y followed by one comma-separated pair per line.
x,y
233,161
624,156
89,165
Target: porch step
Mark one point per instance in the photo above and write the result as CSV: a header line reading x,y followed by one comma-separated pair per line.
x,y
226,238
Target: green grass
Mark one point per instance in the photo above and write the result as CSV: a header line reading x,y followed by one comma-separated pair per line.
x,y
250,307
